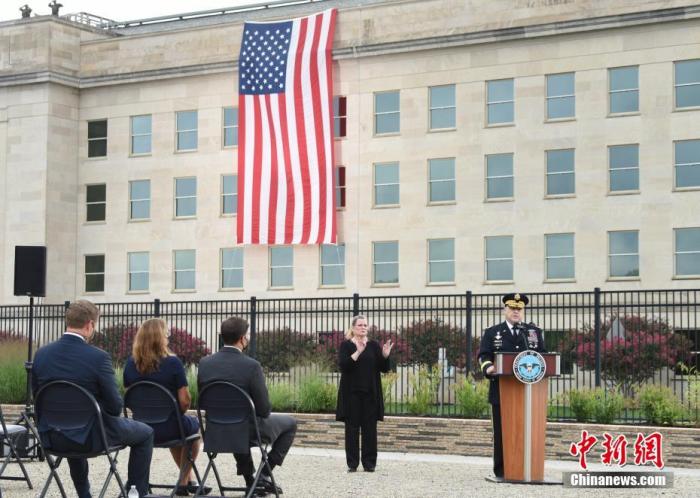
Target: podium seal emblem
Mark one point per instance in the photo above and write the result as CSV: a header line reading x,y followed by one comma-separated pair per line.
x,y
529,367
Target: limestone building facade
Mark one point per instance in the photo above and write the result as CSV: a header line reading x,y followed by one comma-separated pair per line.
x,y
542,145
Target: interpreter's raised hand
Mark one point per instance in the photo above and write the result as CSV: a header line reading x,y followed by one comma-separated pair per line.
x,y
361,345
386,348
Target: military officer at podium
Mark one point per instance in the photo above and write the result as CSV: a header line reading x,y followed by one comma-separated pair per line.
x,y
510,336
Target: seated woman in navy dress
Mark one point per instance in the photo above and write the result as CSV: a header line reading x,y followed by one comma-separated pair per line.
x,y
152,360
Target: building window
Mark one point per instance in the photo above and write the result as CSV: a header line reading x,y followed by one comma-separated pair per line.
x,y
281,266
229,194
441,180
386,184
230,126
561,96
560,172
500,103
441,261
232,268
340,111
559,256
687,83
95,273
387,113
138,271
623,248
385,262
499,176
97,138
140,200
687,252
340,187
185,197
96,202
442,107
332,265
624,89
687,154
184,269
141,134
186,130
499,258
624,167
689,363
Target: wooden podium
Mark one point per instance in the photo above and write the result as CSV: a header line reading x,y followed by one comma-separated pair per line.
x,y
524,419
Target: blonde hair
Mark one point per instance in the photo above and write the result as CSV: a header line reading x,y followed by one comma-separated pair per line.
x,y
150,345
350,333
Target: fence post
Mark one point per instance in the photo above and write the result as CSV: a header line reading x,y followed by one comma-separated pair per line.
x,y
253,317
596,317
66,304
156,308
469,332
355,304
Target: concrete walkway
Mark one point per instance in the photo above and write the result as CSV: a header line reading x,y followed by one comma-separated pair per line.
x,y
317,472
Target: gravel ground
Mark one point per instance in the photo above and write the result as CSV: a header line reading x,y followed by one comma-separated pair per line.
x,y
311,472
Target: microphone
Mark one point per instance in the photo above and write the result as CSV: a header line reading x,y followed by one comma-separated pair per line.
x,y
522,331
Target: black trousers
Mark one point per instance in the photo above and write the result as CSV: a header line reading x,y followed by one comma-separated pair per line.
x,y
497,440
279,431
369,444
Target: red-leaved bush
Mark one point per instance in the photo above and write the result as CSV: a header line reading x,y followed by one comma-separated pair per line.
x,y
118,341
626,362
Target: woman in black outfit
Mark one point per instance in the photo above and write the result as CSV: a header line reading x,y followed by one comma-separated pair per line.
x,y
360,401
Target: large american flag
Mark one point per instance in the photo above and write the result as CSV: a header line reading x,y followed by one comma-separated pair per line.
x,y
285,135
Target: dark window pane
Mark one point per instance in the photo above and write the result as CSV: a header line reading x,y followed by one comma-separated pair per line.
x,y
386,102
624,78
95,264
687,72
688,96
96,193
624,180
560,184
387,123
97,148
97,129
94,283
96,212
499,90
501,113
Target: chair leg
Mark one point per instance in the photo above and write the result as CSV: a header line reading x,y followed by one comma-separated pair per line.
x,y
12,455
53,466
211,456
113,471
265,462
218,478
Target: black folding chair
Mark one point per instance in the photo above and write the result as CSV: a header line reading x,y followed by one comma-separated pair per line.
x,y
64,406
151,404
7,438
227,404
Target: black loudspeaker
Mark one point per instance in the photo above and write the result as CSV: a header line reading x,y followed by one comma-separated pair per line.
x,y
30,271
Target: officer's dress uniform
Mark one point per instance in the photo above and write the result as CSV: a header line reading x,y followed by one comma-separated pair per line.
x,y
500,339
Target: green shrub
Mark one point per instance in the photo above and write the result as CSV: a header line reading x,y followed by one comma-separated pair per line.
x,y
13,376
388,381
281,397
472,397
119,376
192,385
660,406
607,406
316,395
425,384
596,405
582,404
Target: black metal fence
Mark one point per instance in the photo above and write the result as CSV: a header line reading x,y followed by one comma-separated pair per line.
x,y
612,339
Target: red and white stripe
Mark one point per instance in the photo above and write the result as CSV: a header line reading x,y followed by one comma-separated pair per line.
x,y
285,147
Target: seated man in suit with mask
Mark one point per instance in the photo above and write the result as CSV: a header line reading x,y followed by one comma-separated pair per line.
x,y
230,364
71,358
509,336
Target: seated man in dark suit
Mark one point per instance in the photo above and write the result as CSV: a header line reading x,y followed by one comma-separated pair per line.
x,y
72,359
231,365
